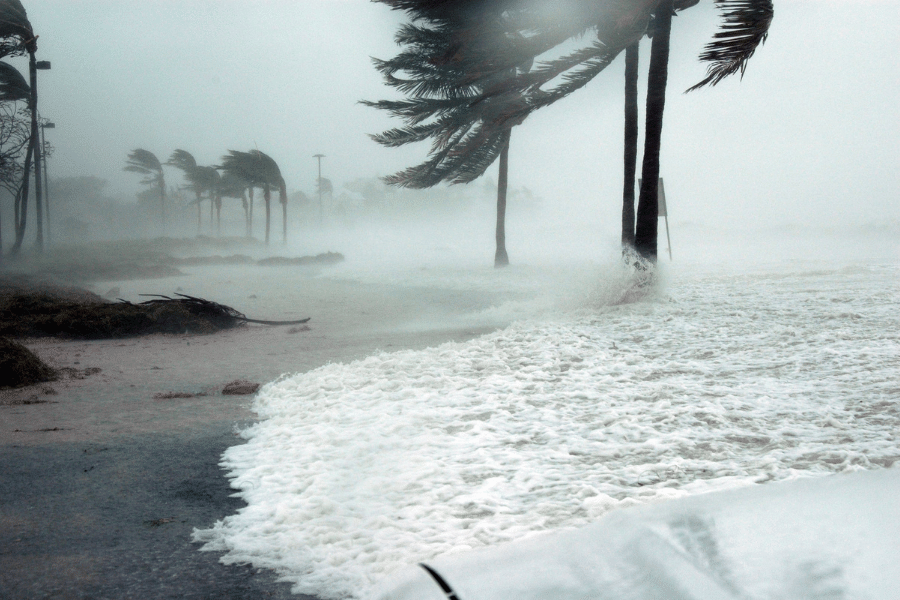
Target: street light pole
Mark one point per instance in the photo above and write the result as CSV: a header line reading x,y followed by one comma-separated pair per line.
x,y
319,183
34,67
44,126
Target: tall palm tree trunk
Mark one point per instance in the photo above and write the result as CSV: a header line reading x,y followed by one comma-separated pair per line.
x,y
199,213
250,218
22,201
162,200
218,201
648,206
282,197
267,197
501,259
246,213
632,53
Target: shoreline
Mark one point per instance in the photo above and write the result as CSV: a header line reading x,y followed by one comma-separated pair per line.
x,y
103,484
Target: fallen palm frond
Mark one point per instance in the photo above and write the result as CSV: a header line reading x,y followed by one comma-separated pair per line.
x,y
211,309
40,313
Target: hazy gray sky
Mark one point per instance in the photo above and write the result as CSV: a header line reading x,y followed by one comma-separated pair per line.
x,y
809,134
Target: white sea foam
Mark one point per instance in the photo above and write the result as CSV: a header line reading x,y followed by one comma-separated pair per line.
x,y
719,381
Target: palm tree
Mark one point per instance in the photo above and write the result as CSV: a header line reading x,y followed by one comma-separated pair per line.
x,y
145,162
209,180
14,88
232,186
259,170
184,161
463,149
469,44
17,37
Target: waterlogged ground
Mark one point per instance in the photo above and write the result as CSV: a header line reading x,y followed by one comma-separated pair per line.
x,y
722,378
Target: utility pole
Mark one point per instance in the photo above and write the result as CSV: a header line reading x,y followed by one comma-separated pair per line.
x,y
44,126
34,67
319,184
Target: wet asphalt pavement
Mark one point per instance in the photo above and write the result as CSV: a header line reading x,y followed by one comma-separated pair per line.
x,y
114,520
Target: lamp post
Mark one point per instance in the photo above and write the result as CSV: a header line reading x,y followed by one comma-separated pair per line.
x,y
34,67
319,183
44,126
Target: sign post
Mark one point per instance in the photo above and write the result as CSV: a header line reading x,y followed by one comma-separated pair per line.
x,y
662,211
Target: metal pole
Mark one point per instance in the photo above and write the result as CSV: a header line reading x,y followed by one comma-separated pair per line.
x,y
664,212
44,127
319,183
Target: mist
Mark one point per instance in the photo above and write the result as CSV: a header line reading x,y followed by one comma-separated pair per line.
x,y
804,142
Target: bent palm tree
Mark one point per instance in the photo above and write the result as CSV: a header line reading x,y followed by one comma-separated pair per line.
x,y
14,88
16,38
467,48
184,161
145,163
232,186
259,170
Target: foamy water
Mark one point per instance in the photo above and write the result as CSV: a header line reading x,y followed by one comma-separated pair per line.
x,y
721,379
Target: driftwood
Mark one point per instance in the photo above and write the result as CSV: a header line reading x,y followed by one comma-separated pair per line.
x,y
201,305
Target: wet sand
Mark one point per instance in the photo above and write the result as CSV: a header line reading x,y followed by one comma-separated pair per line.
x,y
102,484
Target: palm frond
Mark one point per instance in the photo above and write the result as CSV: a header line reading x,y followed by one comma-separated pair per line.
x,y
145,163
745,26
16,33
182,159
13,86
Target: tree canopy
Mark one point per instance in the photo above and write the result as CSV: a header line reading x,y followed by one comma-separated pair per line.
x,y
460,68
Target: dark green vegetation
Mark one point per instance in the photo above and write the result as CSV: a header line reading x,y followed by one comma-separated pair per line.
x,y
33,302
36,314
461,70
20,366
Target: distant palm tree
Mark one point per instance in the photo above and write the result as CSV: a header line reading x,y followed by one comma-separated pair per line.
x,y
184,160
232,186
259,170
145,162
209,181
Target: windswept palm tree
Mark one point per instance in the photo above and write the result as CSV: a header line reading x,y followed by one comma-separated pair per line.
x,y
16,38
145,163
467,48
259,170
461,151
208,179
185,162
232,186
14,88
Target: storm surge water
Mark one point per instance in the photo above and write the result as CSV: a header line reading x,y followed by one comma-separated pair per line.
x,y
719,379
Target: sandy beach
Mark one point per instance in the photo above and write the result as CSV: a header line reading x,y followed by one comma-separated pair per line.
x,y
103,483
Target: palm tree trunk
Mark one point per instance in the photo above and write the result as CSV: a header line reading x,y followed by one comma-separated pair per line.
x,y
218,201
282,197
246,213
648,207
162,200
632,53
22,201
250,225
267,197
199,214
501,259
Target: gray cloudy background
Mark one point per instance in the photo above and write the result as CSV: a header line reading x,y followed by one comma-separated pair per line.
x,y
809,135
